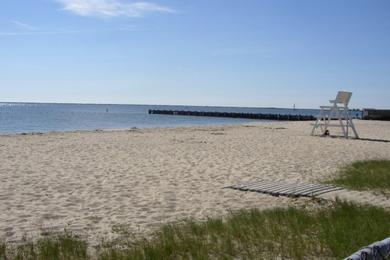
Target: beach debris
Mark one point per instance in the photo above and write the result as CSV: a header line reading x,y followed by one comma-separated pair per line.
x,y
376,251
135,129
218,133
326,133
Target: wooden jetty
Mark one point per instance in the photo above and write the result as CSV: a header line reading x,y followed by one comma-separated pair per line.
x,y
376,114
234,115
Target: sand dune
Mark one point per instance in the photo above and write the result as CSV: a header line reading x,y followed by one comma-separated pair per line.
x,y
90,182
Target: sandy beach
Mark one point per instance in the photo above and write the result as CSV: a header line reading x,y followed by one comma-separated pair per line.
x,y
90,182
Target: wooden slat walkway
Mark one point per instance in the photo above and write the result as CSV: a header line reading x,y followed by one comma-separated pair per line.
x,y
278,188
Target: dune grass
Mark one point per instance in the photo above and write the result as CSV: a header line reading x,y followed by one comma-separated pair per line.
x,y
292,233
252,234
365,175
60,246
3,248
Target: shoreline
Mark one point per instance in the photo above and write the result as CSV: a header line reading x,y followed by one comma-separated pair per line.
x,y
38,133
259,122
90,181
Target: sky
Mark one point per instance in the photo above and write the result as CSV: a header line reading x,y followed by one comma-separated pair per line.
x,y
252,53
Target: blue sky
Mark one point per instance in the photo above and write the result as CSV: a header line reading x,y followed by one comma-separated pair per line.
x,y
215,52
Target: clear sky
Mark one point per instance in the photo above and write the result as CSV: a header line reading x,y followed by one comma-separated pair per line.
x,y
201,52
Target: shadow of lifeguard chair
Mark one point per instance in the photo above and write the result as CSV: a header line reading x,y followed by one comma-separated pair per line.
x,y
337,111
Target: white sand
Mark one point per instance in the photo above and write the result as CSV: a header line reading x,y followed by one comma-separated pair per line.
x,y
90,181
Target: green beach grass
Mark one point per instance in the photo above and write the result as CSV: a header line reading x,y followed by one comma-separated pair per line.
x,y
60,246
293,233
365,175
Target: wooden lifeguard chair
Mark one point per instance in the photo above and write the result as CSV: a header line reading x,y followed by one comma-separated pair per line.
x,y
338,111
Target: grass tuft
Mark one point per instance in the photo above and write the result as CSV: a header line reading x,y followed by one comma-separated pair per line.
x,y
61,246
365,175
3,250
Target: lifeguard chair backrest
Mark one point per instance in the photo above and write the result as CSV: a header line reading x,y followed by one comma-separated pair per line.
x,y
343,97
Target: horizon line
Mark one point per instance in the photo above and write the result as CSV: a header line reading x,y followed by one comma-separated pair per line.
x,y
138,104
182,105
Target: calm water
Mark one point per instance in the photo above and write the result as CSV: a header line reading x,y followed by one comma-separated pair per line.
x,y
32,117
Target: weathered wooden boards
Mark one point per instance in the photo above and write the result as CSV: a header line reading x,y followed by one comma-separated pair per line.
x,y
235,115
279,188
